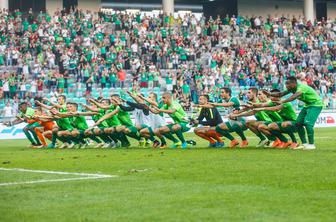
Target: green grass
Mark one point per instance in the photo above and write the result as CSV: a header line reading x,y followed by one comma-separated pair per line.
x,y
198,184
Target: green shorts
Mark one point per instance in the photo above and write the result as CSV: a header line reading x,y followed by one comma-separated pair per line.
x,y
184,126
230,125
309,115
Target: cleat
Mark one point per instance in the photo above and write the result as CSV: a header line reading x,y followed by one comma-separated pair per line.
x,y
156,144
309,147
83,146
163,146
106,145
191,142
99,145
51,146
299,147
244,144
37,146
286,145
64,145
176,145
294,145
71,145
275,143
118,144
219,144
112,145
234,143
184,145
212,145
262,143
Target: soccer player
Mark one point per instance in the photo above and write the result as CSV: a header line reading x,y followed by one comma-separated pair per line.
x,y
232,125
309,113
180,125
25,115
288,125
208,129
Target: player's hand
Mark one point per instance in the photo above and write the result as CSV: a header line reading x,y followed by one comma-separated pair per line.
x,y
45,99
277,102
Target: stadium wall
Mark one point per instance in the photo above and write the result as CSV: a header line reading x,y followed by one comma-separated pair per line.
x,y
326,119
91,5
331,10
53,5
267,7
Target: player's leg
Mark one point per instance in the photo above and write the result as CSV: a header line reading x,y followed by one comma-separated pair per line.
x,y
132,132
239,127
253,126
122,136
216,136
263,128
161,137
26,131
225,129
179,129
88,134
312,114
148,133
39,133
33,132
289,127
300,126
167,132
202,132
275,129
54,135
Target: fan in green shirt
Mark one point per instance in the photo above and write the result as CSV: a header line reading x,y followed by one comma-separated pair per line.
x,y
310,112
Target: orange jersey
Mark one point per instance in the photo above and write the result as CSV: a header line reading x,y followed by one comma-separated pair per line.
x,y
47,125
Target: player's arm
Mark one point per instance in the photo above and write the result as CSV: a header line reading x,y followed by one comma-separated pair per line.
x,y
229,104
153,103
270,108
243,114
105,117
136,98
208,105
89,108
44,118
58,106
154,110
82,114
101,106
43,105
168,111
291,98
276,94
18,120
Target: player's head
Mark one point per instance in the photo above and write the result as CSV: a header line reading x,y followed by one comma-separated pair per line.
x,y
74,107
275,98
23,107
69,107
61,99
106,102
291,83
115,99
152,96
166,98
225,93
261,96
203,99
252,93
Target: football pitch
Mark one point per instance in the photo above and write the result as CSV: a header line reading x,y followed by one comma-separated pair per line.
x,y
142,184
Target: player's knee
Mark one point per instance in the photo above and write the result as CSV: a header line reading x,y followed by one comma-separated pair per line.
x,y
176,127
272,126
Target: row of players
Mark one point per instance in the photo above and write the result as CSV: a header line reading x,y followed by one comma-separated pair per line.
x,y
273,118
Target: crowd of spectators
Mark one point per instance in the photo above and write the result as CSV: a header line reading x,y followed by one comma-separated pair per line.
x,y
68,51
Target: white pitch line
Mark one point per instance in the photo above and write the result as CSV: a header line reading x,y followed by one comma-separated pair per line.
x,y
55,180
84,176
54,172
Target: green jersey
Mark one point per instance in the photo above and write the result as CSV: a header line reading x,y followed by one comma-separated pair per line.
x,y
79,122
113,121
124,117
287,113
308,96
236,104
29,113
262,116
64,124
179,116
95,118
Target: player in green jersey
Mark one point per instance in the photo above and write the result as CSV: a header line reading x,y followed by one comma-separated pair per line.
x,y
237,125
310,112
288,125
180,125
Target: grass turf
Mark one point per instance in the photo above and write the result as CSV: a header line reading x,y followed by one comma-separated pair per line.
x,y
198,184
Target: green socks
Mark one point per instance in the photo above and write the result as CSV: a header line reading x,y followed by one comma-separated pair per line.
x,y
179,135
310,134
224,133
170,136
279,135
302,134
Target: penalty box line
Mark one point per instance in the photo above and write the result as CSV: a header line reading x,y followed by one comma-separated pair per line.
x,y
83,176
